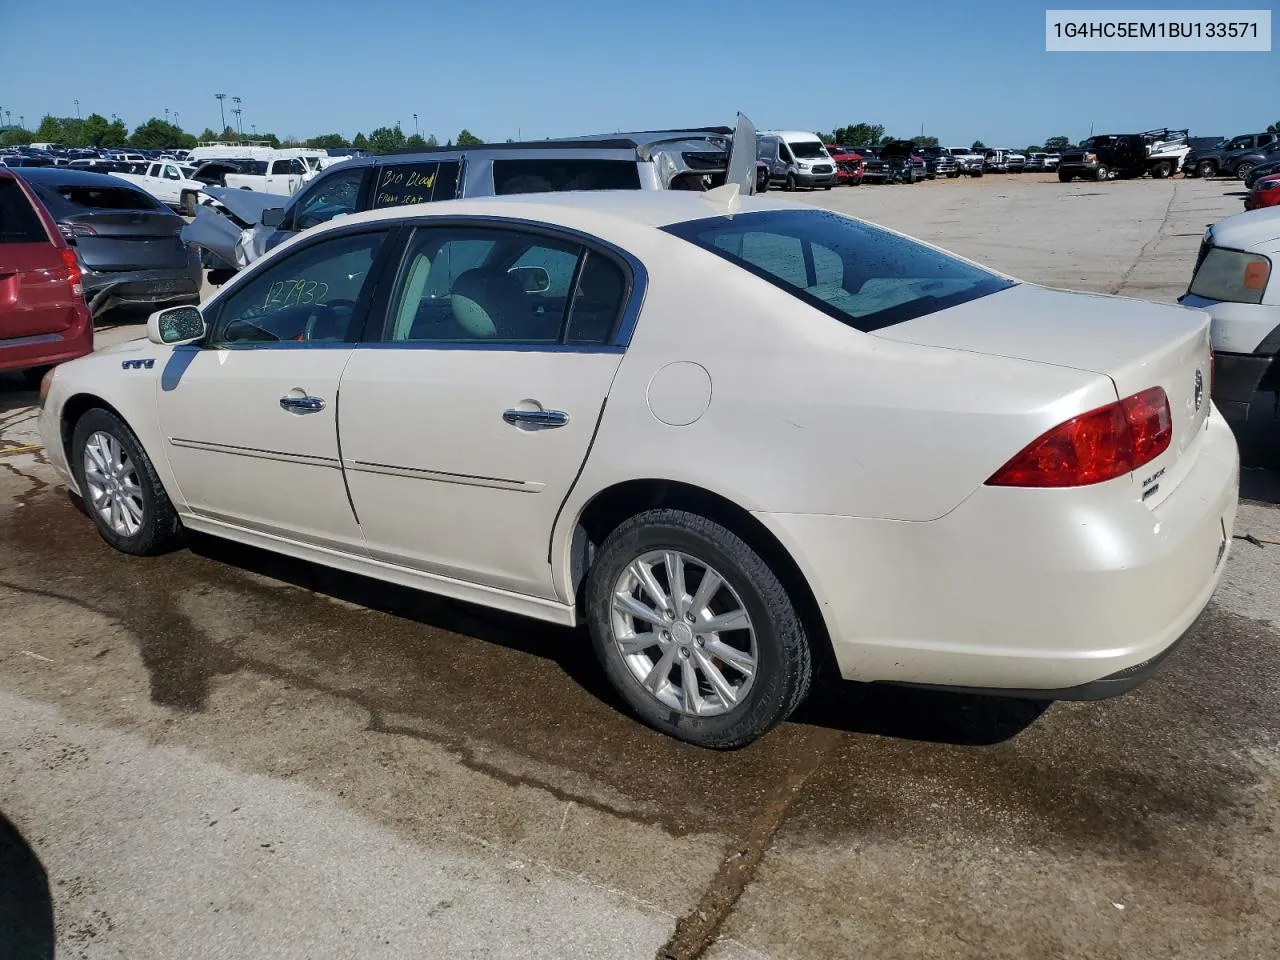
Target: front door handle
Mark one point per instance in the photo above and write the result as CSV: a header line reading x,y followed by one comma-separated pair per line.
x,y
302,404
545,419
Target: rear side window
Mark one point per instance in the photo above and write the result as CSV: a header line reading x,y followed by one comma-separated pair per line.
x,y
102,198
863,276
550,176
19,222
405,184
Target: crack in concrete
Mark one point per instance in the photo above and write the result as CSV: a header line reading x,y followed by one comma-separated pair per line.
x,y
698,929
1146,247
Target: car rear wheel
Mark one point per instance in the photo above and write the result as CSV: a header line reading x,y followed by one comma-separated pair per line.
x,y
1064,177
1244,170
791,182
1162,170
120,487
1206,168
694,630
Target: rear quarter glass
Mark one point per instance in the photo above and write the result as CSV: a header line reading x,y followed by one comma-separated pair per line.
x,y
19,222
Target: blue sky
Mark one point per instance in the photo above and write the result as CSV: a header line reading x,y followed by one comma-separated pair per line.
x,y
553,68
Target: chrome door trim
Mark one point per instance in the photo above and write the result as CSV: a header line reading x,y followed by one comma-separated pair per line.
x,y
440,476
303,458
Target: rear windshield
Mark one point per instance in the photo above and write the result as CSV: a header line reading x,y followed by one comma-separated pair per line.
x,y
18,221
859,274
806,148
548,176
100,198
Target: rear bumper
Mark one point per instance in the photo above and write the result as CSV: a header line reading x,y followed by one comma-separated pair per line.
x,y
1011,593
45,350
143,287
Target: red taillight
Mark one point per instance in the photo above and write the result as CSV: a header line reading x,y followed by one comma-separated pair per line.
x,y
73,269
1096,446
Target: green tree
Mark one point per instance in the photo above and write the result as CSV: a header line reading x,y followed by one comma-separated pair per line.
x,y
468,139
360,142
117,135
386,140
50,130
1273,127
1057,144
922,141
16,137
208,135
156,134
858,134
432,141
327,140
1034,149
978,145
415,142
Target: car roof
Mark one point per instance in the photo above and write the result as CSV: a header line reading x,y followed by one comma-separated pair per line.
x,y
70,176
646,208
790,135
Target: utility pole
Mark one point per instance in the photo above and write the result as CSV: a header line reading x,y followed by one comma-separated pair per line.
x,y
236,111
255,129
221,98
77,103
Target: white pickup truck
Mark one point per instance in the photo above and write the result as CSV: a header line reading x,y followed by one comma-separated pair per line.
x,y
283,176
170,183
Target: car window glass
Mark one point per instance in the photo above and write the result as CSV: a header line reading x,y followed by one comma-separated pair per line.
x,y
19,222
102,198
597,301
546,176
405,184
329,197
307,297
883,278
447,181
483,286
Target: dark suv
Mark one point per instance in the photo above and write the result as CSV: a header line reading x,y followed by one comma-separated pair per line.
x,y
1226,158
242,225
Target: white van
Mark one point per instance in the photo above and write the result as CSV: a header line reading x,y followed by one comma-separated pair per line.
x,y
796,158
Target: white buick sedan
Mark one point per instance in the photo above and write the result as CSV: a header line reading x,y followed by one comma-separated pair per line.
x,y
737,438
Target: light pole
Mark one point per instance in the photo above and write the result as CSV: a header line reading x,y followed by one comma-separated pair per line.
x,y
166,114
175,118
255,128
22,121
415,124
77,103
236,111
221,97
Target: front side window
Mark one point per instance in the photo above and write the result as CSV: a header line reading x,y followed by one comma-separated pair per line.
x,y
863,276
478,285
331,196
307,297
547,176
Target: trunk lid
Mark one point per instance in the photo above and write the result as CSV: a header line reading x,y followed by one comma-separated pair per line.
x,y
129,240
1134,343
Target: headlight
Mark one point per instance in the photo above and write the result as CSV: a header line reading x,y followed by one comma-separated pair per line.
x,y
1232,276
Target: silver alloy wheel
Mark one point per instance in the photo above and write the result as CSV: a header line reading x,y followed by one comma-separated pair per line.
x,y
112,483
673,615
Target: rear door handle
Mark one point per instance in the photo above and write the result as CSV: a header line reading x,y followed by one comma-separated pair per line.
x,y
302,404
545,419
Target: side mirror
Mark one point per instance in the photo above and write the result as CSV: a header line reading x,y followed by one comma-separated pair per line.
x,y
532,279
176,325
272,217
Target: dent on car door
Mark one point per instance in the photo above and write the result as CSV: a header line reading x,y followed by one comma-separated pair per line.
x,y
464,427
249,416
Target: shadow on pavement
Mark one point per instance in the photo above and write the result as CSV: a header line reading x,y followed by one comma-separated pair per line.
x,y
26,908
837,704
1259,440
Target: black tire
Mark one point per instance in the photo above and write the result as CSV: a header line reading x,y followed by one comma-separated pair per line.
x,y
790,185
784,662
826,188
953,174
977,173
160,529
1244,169
1162,170
1101,173
1206,169
189,203
1064,177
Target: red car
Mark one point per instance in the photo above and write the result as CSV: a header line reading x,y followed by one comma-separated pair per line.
x,y
43,317
1265,193
849,167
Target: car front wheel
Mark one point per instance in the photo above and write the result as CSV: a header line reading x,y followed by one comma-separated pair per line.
x,y
695,630
120,487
